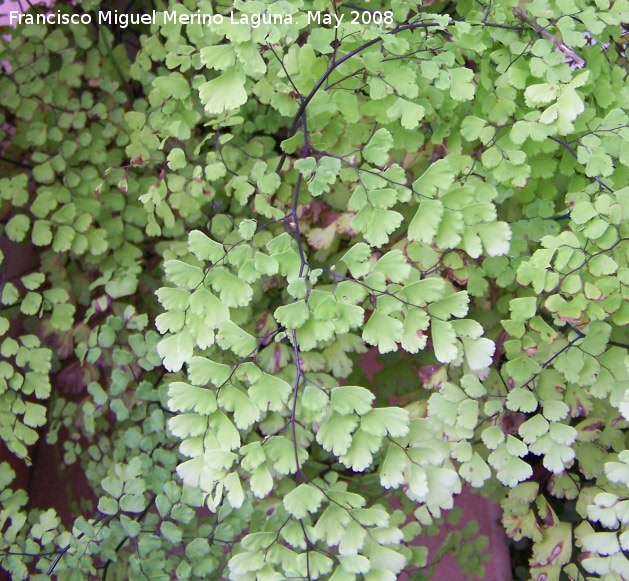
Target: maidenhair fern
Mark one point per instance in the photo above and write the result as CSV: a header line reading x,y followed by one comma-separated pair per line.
x,y
231,220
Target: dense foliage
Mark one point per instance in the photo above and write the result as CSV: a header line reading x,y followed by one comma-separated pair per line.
x,y
227,219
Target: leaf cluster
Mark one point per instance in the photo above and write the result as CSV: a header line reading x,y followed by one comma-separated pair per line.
x,y
228,221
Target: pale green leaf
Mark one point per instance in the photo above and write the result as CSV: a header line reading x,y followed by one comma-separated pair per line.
x,y
521,399
335,433
444,341
453,306
270,392
476,471
495,236
377,149
383,331
425,223
438,176
352,542
388,420
245,412
233,291
261,481
462,86
204,248
359,456
235,494
209,307
231,336
478,352
376,225
224,93
175,350
184,398
393,469
183,275
293,315
350,399
302,500
202,371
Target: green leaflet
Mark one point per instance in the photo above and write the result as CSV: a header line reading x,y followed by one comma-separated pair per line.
x,y
381,421
174,85
377,148
202,371
203,303
393,467
270,392
523,309
321,179
478,352
424,291
234,400
176,350
283,454
356,259
425,224
415,323
360,453
292,316
303,500
462,87
509,469
184,397
521,399
183,275
444,341
495,237
224,93
394,266
232,337
409,113
204,248
439,175
351,399
454,305
475,471
383,331
335,434
220,57
232,290
376,225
